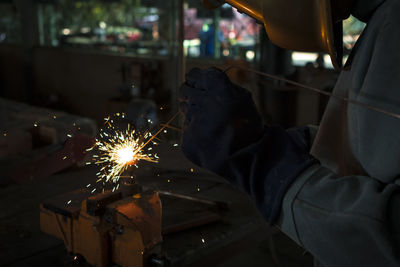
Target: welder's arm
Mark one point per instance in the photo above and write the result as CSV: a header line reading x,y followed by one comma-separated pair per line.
x,y
224,133
354,220
343,221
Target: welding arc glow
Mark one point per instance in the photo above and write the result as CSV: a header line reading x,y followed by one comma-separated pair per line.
x,y
125,155
118,152
122,149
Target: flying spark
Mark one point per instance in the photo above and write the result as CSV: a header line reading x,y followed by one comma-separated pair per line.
x,y
119,150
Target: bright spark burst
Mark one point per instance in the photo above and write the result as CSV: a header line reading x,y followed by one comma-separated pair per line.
x,y
119,151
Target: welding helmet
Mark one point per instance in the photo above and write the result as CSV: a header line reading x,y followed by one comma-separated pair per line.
x,y
301,25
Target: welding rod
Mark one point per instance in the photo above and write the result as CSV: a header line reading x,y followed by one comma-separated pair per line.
x,y
217,203
345,99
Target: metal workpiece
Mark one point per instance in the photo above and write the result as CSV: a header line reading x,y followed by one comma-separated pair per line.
x,y
95,205
105,228
223,205
128,186
140,211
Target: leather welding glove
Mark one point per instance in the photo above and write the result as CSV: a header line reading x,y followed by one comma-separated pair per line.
x,y
223,132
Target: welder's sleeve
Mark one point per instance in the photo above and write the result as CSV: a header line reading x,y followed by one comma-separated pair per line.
x,y
343,221
266,168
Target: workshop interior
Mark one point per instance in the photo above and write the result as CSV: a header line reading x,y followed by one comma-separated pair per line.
x,y
92,169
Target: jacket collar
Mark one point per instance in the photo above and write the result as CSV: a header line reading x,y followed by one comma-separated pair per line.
x,y
363,9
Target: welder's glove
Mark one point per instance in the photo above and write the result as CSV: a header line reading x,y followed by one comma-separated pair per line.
x,y
221,117
224,133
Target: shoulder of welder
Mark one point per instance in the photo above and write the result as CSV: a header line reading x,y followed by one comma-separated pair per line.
x,y
389,11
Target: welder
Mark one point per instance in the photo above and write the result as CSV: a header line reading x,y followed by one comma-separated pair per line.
x,y
338,194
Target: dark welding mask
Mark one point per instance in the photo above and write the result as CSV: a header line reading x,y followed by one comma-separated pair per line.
x,y
300,25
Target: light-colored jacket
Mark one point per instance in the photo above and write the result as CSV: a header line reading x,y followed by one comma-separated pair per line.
x,y
346,211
